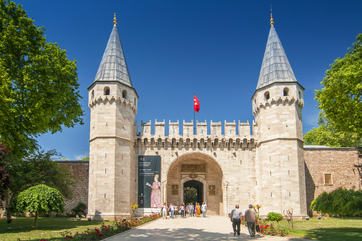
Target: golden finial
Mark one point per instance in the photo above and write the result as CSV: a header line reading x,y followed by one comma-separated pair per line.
x,y
271,16
115,19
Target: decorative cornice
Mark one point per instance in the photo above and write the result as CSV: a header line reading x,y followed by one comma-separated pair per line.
x,y
280,100
195,143
110,100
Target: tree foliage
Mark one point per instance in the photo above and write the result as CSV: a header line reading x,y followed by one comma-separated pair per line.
x,y
341,202
324,134
341,96
79,209
38,83
37,169
39,199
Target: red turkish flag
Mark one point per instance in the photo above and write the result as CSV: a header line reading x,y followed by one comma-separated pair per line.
x,y
196,104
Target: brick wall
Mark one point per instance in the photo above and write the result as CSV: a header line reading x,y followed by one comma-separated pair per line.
x,y
79,169
339,162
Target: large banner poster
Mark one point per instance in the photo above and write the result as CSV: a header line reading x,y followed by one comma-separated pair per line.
x,y
149,181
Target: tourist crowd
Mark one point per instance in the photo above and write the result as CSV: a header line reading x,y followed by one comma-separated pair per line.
x,y
183,210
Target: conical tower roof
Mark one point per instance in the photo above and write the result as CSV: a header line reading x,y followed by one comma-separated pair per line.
x,y
113,66
275,66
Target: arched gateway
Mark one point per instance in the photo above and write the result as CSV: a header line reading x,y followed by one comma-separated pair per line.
x,y
199,174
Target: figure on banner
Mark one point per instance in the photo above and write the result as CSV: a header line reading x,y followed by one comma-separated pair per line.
x,y
155,193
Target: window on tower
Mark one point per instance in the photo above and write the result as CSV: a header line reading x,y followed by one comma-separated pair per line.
x,y
106,90
124,94
267,95
285,91
92,94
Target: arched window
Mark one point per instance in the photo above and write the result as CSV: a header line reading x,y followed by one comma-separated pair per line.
x,y
267,95
106,90
92,94
124,94
285,91
134,101
300,94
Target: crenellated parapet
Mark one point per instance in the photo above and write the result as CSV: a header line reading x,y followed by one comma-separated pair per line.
x,y
200,140
110,100
285,100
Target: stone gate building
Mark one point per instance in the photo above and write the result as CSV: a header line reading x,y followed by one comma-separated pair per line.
x,y
265,166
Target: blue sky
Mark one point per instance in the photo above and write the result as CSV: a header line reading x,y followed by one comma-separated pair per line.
x,y
176,48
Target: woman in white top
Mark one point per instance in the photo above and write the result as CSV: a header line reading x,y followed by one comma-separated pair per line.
x,y
203,209
164,211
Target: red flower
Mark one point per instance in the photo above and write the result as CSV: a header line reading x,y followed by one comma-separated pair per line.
x,y
268,232
277,221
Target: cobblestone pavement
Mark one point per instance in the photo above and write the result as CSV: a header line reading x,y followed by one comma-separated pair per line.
x,y
191,228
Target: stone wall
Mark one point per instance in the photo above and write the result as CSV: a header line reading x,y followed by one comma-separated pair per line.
x,y
339,162
79,169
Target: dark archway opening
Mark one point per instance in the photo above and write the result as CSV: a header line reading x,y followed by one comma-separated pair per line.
x,y
193,192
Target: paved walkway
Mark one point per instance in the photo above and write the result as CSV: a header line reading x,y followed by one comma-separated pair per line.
x,y
209,228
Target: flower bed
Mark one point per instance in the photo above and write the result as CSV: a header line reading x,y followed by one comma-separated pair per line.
x,y
106,231
272,228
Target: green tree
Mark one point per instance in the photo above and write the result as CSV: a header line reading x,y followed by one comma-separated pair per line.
x,y
340,97
79,209
341,202
324,134
39,84
33,170
39,199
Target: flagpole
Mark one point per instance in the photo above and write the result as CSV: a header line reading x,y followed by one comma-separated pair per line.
x,y
194,117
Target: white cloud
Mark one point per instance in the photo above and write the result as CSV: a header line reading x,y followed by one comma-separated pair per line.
x,y
79,157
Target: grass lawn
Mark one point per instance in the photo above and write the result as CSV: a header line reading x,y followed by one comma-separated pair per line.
x,y
336,229
48,228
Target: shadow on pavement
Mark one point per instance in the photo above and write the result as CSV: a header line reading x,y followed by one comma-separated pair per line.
x,y
186,234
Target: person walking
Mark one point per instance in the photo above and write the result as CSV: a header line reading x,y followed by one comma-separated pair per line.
x,y
203,209
192,210
172,210
236,215
250,218
182,208
198,210
164,211
188,209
